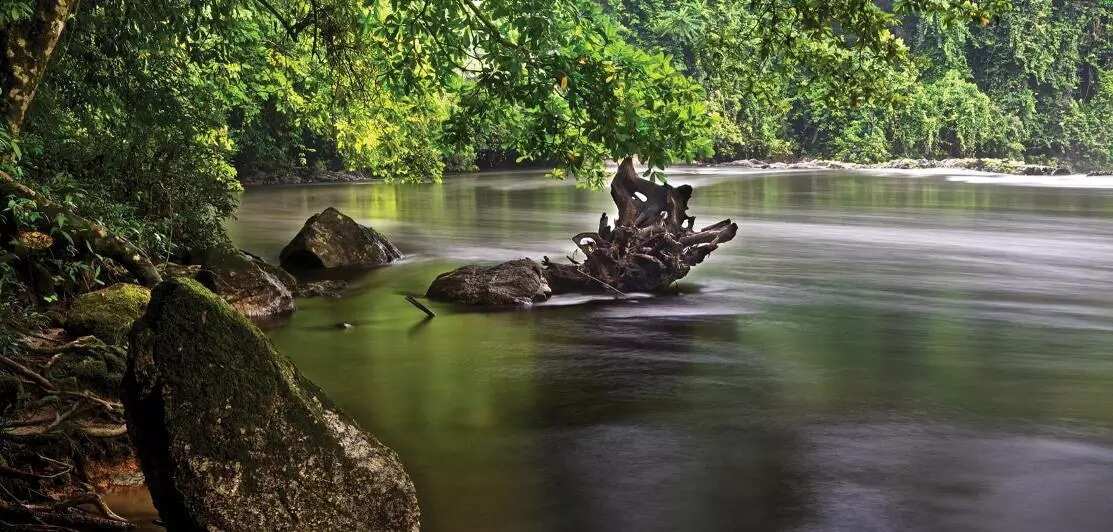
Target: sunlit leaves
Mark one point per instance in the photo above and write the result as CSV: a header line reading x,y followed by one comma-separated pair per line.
x,y
583,93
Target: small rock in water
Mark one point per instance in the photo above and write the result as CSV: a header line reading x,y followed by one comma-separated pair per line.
x,y
333,289
517,282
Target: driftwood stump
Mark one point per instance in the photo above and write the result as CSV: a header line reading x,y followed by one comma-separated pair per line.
x,y
653,242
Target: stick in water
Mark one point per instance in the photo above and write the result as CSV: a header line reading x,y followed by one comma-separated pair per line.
x,y
413,301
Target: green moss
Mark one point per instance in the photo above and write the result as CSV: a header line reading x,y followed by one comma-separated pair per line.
x,y
217,360
108,313
223,424
99,368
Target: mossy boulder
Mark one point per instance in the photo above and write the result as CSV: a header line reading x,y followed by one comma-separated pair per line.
x,y
331,239
108,313
231,436
518,282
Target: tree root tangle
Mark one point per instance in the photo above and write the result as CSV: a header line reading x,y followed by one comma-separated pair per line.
x,y
49,437
653,242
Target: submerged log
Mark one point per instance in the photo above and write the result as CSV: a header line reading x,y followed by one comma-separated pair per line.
x,y
652,244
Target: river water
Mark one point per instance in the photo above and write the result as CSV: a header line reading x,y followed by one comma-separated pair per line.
x,y
874,351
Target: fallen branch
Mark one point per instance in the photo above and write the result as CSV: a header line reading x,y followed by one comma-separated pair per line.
x,y
68,517
12,472
28,373
89,498
96,235
413,301
110,431
83,342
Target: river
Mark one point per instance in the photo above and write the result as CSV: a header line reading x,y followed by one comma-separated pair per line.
x,y
902,351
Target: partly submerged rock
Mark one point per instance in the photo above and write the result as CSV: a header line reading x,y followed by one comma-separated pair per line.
x,y
254,287
517,282
231,436
332,240
108,313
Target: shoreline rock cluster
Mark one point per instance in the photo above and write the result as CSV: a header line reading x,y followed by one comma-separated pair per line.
x,y
60,385
328,240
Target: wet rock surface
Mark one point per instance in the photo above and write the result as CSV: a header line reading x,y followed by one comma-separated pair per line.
x,y
518,282
231,436
331,239
254,287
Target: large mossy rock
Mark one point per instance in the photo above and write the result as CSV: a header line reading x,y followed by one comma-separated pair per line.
x,y
254,287
331,239
231,436
517,282
108,313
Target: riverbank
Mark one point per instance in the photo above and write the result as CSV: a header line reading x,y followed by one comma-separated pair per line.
x,y
304,177
990,165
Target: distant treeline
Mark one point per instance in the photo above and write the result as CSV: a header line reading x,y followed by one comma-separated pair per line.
x,y
1034,82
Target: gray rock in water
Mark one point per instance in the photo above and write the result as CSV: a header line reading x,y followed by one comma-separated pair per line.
x,y
254,287
332,240
517,282
231,436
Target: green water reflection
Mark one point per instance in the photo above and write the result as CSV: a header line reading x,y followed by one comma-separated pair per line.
x,y
872,353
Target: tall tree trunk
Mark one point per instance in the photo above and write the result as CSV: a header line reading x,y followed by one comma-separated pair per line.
x,y
27,50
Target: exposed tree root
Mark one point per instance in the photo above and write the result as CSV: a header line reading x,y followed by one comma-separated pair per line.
x,y
65,515
653,242
57,416
95,235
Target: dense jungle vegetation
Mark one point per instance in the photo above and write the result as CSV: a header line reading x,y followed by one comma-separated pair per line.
x,y
141,115
1029,83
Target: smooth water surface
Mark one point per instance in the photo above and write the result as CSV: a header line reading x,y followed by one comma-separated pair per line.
x,y
873,352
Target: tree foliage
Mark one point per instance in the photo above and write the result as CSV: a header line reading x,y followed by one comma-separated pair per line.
x,y
150,110
866,81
